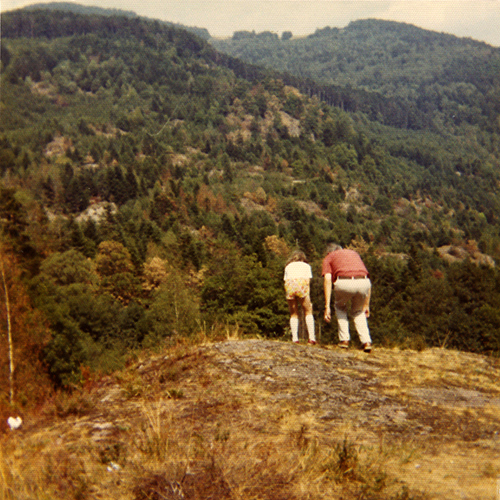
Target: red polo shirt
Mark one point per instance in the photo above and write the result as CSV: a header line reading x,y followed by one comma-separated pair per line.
x,y
346,263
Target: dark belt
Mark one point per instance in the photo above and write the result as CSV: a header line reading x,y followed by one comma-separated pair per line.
x,y
351,277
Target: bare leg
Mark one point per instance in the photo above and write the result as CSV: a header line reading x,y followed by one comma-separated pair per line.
x,y
308,313
294,318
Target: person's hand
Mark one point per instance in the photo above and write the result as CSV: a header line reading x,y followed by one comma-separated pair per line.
x,y
328,314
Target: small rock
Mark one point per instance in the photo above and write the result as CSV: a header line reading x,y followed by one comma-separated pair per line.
x,y
14,423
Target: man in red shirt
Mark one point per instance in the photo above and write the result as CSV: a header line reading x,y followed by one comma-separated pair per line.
x,y
351,281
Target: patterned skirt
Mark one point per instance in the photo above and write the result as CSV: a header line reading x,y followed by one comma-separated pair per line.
x,y
298,287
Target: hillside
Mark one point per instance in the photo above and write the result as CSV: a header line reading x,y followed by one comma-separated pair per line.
x,y
423,79
99,11
79,9
266,419
152,189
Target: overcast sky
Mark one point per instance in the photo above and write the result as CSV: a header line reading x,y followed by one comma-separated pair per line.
x,y
477,19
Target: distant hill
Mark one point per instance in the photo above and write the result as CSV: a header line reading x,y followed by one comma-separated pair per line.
x,y
79,9
84,9
441,81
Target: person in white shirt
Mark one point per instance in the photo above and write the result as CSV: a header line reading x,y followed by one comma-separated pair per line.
x,y
298,274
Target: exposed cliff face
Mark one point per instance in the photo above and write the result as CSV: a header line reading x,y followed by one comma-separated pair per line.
x,y
274,420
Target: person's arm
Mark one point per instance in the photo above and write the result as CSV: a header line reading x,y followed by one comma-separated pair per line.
x,y
328,296
366,307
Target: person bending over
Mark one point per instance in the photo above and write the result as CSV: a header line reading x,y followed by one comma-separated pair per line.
x,y
345,270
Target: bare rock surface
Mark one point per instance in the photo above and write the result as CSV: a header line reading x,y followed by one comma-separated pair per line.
x,y
340,386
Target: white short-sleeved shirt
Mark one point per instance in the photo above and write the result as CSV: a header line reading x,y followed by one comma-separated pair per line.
x,y
298,270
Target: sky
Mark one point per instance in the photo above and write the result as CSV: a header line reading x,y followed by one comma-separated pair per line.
x,y
477,19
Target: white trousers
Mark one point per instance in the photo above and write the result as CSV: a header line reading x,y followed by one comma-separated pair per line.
x,y
356,293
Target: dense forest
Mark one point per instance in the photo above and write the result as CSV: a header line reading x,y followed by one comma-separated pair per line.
x,y
396,73
152,189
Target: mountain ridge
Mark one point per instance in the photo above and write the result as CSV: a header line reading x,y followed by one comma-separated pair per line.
x,y
77,8
399,61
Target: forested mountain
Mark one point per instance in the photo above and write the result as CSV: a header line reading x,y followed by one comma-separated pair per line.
x,y
79,9
99,11
152,189
427,79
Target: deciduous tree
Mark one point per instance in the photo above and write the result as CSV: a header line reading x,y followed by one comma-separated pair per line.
x,y
23,335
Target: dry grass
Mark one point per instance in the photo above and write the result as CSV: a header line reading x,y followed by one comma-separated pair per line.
x,y
198,422
438,367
